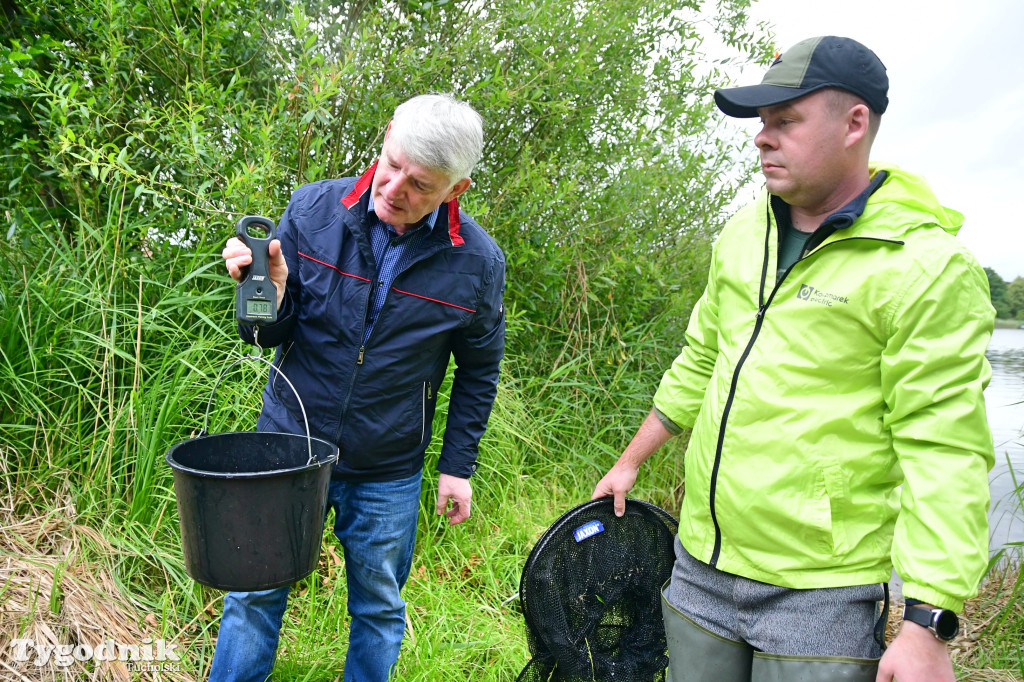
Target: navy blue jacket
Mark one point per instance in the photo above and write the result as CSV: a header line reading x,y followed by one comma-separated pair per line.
x,y
376,402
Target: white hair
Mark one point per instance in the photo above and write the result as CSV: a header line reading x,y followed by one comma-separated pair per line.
x,y
439,132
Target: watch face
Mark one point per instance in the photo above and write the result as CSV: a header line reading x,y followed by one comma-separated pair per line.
x,y
946,624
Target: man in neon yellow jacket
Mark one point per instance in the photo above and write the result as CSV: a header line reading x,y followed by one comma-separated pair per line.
x,y
832,378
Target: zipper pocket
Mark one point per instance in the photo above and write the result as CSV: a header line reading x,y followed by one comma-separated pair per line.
x,y
427,395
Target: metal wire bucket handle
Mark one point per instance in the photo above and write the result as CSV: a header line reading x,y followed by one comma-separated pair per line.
x,y
256,356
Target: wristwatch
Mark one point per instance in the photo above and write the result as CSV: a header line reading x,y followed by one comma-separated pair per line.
x,y
942,622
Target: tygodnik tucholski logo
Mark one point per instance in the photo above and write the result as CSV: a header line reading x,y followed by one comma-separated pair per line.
x,y
147,656
813,295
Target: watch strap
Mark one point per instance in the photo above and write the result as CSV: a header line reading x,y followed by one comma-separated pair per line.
x,y
935,619
922,617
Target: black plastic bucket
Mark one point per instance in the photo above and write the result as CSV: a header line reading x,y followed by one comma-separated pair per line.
x,y
251,505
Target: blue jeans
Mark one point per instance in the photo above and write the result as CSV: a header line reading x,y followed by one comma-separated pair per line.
x,y
376,525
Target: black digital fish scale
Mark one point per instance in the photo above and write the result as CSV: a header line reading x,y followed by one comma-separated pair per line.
x,y
256,294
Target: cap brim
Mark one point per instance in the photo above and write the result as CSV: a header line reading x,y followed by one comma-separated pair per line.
x,y
744,102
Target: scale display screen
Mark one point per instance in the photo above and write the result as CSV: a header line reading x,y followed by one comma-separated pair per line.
x,y
260,308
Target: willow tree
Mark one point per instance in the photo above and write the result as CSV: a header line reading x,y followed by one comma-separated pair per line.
x,y
134,134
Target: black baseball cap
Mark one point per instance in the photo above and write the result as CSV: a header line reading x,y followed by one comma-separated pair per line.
x,y
808,66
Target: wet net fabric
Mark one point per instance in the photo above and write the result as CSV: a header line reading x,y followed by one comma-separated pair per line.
x,y
591,595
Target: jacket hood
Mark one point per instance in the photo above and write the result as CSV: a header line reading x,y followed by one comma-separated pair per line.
x,y
911,200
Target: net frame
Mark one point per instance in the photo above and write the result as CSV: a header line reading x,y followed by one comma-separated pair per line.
x,y
609,625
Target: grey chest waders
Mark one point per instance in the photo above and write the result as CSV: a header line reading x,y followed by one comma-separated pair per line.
x,y
699,655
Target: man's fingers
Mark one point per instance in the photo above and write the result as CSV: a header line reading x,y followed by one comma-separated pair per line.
x,y
458,513
620,503
458,492
275,250
277,261
236,256
235,266
616,484
278,266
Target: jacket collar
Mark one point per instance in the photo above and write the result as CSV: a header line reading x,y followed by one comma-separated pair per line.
x,y
838,220
427,221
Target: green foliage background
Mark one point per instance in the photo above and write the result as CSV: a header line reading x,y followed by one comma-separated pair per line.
x,y
135,134
1007,297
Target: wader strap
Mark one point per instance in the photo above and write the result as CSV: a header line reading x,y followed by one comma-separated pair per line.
x,y
882,619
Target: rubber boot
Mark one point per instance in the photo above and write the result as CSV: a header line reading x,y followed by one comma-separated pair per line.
x,y
696,654
776,668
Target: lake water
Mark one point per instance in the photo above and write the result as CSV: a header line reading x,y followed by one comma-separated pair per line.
x,y
1004,400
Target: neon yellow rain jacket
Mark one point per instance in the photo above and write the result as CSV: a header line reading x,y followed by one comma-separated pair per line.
x,y
814,398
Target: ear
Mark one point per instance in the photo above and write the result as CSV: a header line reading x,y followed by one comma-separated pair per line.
x,y
857,121
457,189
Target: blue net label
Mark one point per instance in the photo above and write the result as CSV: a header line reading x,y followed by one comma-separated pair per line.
x,y
588,530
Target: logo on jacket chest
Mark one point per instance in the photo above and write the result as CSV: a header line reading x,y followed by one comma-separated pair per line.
x,y
811,294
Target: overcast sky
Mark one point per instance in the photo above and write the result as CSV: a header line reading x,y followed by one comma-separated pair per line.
x,y
956,101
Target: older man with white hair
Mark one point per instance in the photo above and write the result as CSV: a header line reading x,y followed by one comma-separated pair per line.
x,y
380,279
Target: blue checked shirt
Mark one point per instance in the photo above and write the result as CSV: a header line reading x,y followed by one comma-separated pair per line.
x,y
392,254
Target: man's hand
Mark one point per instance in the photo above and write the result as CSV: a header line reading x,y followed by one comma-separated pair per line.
x,y
458,491
237,255
620,478
915,656
617,482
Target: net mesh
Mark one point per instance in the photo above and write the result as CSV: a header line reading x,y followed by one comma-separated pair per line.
x,y
590,593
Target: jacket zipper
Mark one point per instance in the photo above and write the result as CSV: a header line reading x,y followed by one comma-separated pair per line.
x,y
359,361
416,259
362,331
362,347
732,394
761,311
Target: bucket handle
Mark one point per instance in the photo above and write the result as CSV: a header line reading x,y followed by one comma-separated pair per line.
x,y
257,356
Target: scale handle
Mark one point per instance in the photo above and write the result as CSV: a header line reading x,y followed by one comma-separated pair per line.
x,y
260,246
